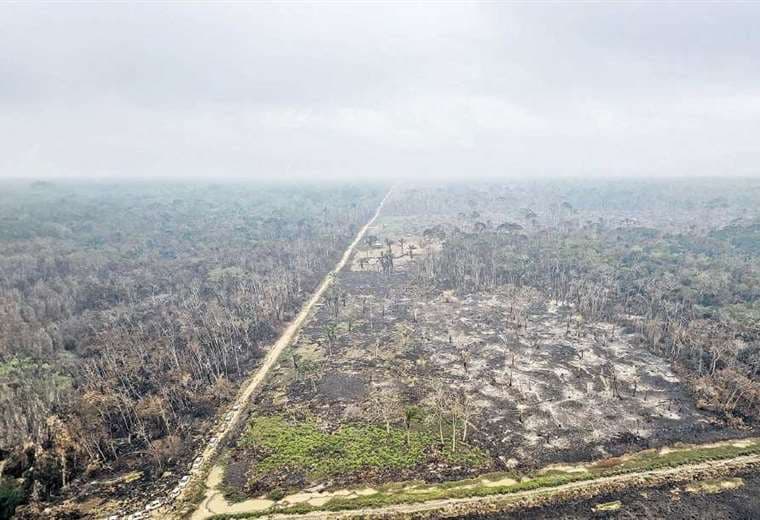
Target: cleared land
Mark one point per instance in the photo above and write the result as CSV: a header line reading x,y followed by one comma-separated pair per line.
x,y
396,380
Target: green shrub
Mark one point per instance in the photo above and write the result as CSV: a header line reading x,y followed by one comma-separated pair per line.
x,y
11,496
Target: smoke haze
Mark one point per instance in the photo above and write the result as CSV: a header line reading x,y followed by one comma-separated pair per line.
x,y
335,90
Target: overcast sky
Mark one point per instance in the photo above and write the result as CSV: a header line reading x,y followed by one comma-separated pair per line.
x,y
395,89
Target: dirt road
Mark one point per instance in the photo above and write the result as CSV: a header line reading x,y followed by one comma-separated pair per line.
x,y
456,508
215,503
238,407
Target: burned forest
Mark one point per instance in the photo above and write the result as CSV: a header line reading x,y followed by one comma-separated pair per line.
x,y
342,260
485,337
129,314
205,350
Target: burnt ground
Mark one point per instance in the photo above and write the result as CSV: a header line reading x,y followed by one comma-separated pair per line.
x,y
673,502
539,384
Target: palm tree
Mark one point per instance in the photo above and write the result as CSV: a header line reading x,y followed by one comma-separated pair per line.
x,y
331,335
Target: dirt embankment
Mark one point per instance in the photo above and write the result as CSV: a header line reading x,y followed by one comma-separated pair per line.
x,y
458,508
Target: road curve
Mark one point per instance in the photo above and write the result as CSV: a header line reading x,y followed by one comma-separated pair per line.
x,y
238,407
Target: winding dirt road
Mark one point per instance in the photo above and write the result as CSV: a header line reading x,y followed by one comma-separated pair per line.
x,y
238,407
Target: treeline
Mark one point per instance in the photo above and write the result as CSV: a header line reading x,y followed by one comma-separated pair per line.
x,y
128,313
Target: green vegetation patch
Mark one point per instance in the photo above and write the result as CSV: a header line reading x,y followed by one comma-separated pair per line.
x,y
303,447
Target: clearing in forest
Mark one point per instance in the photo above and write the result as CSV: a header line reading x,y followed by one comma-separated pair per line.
x,y
403,374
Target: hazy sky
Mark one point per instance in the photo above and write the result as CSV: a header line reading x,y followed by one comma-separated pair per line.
x,y
338,89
